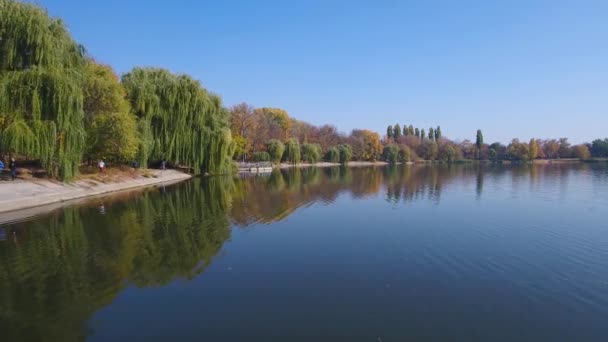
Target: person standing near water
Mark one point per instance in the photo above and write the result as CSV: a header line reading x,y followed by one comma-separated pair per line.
x,y
13,167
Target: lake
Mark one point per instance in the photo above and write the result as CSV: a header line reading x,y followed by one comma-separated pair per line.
x,y
405,253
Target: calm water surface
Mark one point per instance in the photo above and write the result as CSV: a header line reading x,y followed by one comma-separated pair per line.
x,y
420,253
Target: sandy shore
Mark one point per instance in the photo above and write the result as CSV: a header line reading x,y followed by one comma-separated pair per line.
x,y
20,194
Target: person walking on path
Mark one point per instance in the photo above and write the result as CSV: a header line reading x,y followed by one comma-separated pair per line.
x,y
163,165
1,168
101,166
13,167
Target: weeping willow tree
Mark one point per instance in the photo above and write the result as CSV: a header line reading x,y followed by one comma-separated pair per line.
x,y
41,97
179,121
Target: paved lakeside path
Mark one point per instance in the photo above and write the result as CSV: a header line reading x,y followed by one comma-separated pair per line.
x,y
20,194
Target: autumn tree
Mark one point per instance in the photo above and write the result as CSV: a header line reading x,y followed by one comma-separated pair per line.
x,y
328,137
244,124
428,150
551,148
274,123
582,152
366,144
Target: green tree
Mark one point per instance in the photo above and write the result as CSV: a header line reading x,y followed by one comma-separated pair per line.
x,y
417,133
292,152
405,154
111,127
599,148
389,132
346,153
261,156
431,133
565,150
180,121
438,133
241,147
275,149
41,89
479,143
113,137
396,131
333,155
311,153
422,134
411,130
447,153
391,153
406,131
518,150
532,149
493,154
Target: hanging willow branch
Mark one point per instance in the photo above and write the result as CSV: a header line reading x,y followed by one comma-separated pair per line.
x,y
179,121
41,99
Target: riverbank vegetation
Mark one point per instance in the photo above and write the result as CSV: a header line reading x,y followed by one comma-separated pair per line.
x,y
64,110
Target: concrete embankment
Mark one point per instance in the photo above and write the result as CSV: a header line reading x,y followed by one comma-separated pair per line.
x,y
20,194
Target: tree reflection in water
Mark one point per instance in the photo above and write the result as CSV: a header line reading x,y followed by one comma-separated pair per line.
x,y
56,271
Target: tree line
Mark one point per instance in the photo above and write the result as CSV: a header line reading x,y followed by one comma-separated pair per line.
x,y
62,108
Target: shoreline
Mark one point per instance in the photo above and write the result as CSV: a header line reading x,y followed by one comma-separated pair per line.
x,y
20,195
328,164
252,169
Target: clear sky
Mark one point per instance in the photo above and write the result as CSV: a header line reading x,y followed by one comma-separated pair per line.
x,y
511,68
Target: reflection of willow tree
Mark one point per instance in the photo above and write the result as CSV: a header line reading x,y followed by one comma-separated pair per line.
x,y
58,271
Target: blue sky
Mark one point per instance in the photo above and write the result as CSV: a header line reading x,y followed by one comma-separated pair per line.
x,y
511,68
